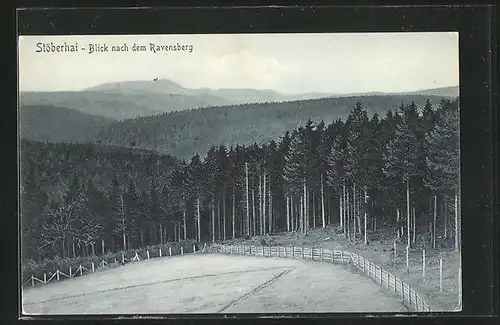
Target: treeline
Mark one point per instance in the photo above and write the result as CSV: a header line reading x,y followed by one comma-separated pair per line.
x,y
399,170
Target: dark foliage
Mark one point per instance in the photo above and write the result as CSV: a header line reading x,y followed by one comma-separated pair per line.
x,y
82,200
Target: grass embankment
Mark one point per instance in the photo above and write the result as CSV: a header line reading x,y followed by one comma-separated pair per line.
x,y
380,250
50,266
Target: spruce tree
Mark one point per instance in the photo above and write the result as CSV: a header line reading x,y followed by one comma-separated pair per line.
x,y
196,186
295,167
443,157
401,160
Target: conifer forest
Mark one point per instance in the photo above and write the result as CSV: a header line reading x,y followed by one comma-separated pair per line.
x,y
364,172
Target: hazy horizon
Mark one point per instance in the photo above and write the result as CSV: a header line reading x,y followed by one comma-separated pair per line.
x,y
337,63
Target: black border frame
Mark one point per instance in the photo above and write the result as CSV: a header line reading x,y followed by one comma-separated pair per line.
x,y
478,98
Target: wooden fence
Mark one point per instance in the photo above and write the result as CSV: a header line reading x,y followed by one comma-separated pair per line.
x,y
410,298
59,275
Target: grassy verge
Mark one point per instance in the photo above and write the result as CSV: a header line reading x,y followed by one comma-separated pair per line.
x,y
380,250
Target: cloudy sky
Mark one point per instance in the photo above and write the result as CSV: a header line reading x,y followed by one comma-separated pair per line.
x,y
289,63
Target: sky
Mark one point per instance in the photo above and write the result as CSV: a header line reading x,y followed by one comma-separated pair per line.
x,y
288,63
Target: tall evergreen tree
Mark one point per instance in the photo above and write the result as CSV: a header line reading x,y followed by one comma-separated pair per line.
x,y
119,212
195,184
295,167
401,160
443,157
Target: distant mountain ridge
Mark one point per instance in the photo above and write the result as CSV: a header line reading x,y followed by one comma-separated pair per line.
x,y
115,105
163,86
453,91
138,98
225,95
447,92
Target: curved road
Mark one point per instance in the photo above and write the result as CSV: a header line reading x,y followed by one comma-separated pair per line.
x,y
213,284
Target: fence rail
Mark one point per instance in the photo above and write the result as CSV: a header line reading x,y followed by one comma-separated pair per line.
x,y
384,278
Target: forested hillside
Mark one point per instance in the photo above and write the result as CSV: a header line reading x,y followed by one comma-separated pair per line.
x,y
400,169
119,105
182,134
73,194
59,124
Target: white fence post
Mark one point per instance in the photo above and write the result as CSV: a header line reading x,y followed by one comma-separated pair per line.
x,y
160,251
70,276
170,251
123,258
93,268
57,275
194,249
460,287
441,275
407,259
81,273
147,253
423,264
182,250
45,278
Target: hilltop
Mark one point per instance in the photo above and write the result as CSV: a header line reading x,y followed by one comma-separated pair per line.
x,y
130,99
